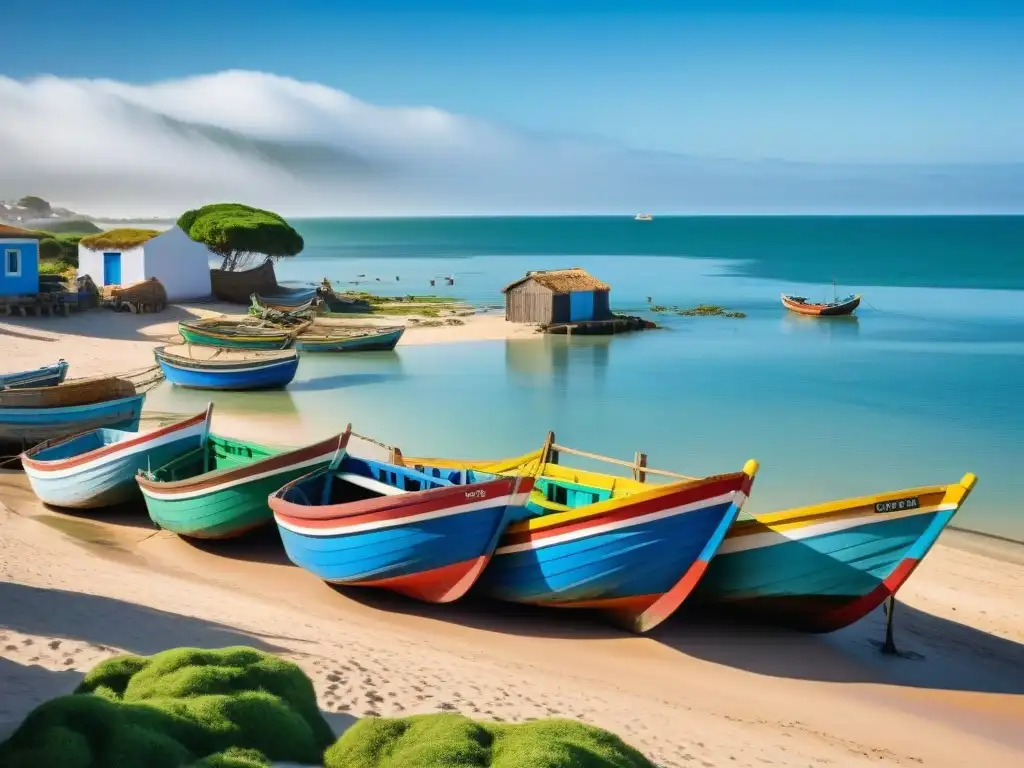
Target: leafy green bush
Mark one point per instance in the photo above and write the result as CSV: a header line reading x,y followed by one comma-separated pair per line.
x,y
230,708
55,267
50,249
454,741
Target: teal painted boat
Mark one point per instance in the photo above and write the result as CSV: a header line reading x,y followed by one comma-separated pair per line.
x,y
349,339
234,334
220,490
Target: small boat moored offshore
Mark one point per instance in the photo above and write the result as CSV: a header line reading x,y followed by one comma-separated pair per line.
x,y
349,339
630,549
47,376
837,306
220,489
201,367
823,567
367,523
237,334
97,468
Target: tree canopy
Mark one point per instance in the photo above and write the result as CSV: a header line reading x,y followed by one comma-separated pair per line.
x,y
241,235
34,203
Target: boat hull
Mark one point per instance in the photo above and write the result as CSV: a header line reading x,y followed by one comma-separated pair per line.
x,y
106,475
222,505
635,559
823,571
22,428
429,545
821,310
245,376
368,343
211,338
47,376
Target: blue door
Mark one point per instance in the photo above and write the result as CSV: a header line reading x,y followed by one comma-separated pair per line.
x,y
111,268
581,305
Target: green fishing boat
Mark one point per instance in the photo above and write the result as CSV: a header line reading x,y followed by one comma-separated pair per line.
x,y
220,490
236,334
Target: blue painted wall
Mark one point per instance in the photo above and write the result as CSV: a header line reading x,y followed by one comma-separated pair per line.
x,y
581,305
28,280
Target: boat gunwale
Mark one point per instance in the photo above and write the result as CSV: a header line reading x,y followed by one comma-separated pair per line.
x,y
257,357
208,481
50,465
291,511
811,513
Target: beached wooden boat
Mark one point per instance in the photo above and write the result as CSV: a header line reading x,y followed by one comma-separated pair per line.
x,y
201,367
373,524
74,392
288,302
836,307
350,339
630,549
237,334
22,428
220,490
47,376
97,468
821,568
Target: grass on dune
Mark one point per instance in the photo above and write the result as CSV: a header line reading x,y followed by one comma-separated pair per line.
x,y
455,741
176,708
241,708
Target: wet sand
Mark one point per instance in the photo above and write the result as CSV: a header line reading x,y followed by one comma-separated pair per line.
x,y
697,691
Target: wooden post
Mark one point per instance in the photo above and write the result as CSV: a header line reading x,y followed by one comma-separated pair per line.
x,y
641,461
547,455
889,646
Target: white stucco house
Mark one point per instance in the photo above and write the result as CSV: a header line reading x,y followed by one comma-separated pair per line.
x,y
126,256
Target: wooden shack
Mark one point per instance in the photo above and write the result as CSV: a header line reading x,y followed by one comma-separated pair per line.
x,y
557,296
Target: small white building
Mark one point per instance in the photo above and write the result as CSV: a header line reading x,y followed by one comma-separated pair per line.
x,y
123,257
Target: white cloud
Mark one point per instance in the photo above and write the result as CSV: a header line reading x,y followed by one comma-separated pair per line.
x,y
113,148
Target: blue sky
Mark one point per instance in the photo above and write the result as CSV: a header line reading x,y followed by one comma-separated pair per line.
x,y
860,82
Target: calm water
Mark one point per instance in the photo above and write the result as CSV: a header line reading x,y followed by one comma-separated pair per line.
x,y
925,384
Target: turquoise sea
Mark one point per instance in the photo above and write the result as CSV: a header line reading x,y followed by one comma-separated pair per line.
x,y
924,384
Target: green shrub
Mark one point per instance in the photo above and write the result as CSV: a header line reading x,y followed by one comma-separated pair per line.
x,y
54,267
50,249
454,741
173,709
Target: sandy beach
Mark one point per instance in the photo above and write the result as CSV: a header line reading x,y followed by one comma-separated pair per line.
x,y
699,692
98,343
76,589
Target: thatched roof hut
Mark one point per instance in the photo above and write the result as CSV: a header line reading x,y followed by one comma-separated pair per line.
x,y
556,296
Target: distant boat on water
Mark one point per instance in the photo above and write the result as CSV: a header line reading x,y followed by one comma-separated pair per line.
x,y
643,217
837,306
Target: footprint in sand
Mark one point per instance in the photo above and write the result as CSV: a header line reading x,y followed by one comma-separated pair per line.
x,y
54,644
10,648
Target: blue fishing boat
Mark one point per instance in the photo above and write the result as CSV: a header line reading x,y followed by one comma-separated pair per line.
x,y
226,369
97,468
373,524
25,427
629,549
47,376
349,339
